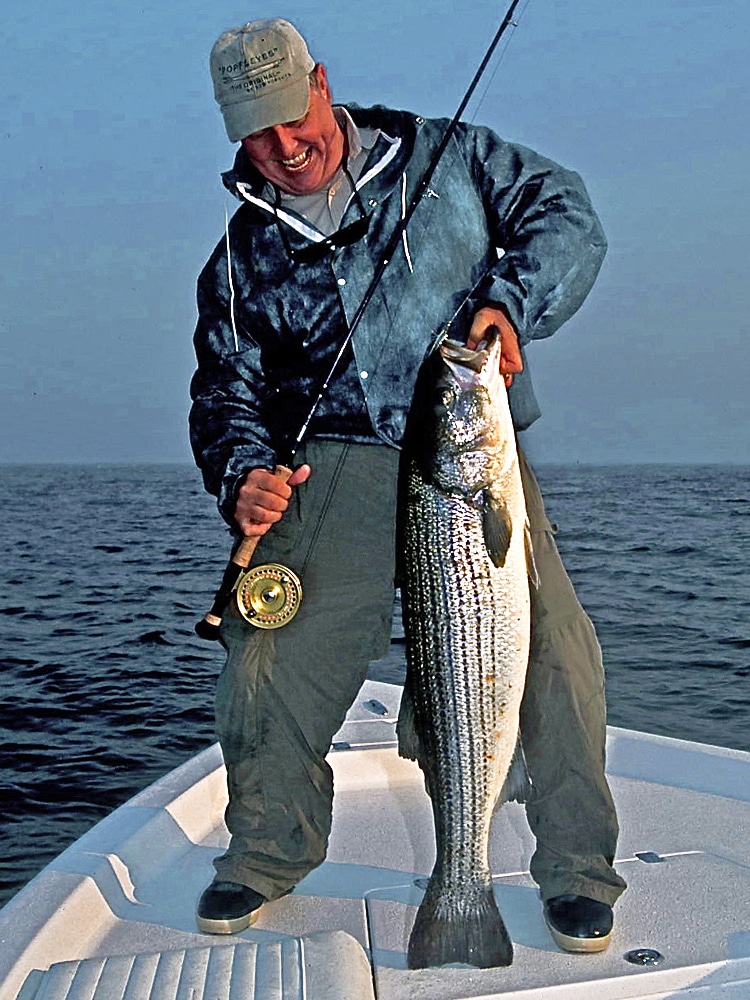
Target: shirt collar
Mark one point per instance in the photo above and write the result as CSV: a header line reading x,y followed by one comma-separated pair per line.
x,y
357,138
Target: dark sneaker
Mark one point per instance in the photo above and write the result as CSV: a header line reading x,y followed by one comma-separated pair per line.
x,y
228,907
578,923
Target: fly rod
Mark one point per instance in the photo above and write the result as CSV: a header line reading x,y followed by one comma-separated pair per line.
x,y
271,598
400,228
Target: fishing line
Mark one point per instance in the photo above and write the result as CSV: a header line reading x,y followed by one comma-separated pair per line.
x,y
400,228
362,405
481,99
331,492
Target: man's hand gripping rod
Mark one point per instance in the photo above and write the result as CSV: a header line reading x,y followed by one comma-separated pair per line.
x,y
208,627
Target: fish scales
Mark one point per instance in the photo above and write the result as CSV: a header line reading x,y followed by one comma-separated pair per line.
x,y
467,628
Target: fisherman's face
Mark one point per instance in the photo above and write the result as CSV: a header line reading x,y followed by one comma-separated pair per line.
x,y
303,156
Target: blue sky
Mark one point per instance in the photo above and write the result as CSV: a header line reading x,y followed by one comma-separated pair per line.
x,y
111,201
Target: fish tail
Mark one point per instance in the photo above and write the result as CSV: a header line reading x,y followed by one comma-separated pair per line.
x,y
449,930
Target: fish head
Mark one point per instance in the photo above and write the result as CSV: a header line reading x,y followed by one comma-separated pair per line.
x,y
471,426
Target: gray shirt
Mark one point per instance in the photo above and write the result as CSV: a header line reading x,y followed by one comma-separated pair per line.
x,y
325,209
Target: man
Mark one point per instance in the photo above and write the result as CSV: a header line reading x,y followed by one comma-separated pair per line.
x,y
503,238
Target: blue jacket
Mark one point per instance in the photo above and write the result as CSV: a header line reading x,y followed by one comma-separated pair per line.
x,y
498,224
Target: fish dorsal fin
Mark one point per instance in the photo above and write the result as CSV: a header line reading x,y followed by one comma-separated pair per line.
x,y
497,528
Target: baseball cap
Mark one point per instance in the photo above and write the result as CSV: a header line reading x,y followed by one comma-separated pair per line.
x,y
260,76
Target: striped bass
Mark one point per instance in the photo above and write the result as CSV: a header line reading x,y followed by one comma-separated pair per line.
x,y
467,623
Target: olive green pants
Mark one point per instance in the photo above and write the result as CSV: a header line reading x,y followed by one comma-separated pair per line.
x,y
284,693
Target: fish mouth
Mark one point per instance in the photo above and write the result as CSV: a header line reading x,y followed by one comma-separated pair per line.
x,y
467,363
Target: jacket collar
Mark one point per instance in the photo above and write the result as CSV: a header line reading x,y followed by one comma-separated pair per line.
x,y
386,161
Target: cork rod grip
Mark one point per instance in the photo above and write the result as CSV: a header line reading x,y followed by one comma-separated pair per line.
x,y
208,626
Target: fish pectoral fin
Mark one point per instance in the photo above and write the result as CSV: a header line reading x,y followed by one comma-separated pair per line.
x,y
497,528
532,571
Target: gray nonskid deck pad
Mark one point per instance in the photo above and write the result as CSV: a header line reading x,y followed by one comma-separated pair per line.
x,y
708,945
325,966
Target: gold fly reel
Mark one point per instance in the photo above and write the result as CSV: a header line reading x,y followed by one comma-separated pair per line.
x,y
268,596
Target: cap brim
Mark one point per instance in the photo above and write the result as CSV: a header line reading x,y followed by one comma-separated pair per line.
x,y
243,118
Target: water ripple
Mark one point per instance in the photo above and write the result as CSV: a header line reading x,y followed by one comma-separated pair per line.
x,y
104,686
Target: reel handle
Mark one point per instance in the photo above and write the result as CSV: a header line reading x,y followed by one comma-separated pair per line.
x,y
208,626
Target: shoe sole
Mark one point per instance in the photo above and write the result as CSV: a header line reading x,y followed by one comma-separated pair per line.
x,y
227,926
586,946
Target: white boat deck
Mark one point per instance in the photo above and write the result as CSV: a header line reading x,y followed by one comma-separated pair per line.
x,y
113,916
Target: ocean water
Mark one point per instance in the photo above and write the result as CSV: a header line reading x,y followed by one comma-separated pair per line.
x,y
104,687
